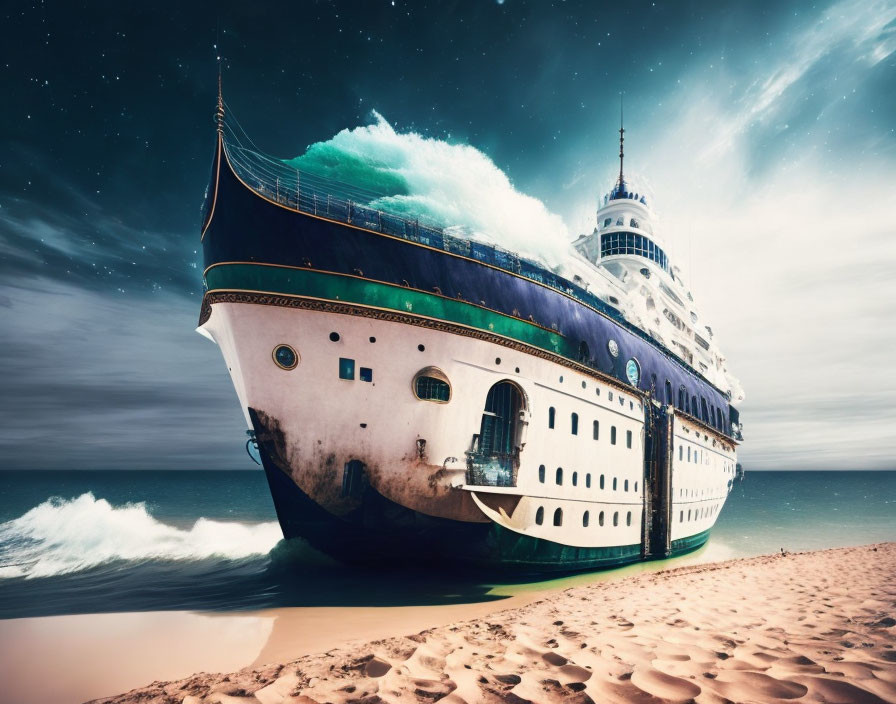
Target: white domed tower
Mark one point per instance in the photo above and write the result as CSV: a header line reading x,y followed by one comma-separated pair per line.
x,y
627,246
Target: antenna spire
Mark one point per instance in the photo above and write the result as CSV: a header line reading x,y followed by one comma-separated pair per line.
x,y
621,140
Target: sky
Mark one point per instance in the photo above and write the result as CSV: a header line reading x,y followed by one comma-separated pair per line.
x,y
765,131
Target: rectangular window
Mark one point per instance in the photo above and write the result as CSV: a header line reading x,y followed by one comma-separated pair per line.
x,y
612,434
551,414
346,369
628,439
366,374
575,423
595,430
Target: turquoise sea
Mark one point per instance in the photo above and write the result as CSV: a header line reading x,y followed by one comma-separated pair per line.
x,y
86,542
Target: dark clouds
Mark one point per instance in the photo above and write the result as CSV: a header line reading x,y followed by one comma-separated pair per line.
x,y
106,146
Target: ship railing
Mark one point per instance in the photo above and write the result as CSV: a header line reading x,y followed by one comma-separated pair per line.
x,y
323,196
316,195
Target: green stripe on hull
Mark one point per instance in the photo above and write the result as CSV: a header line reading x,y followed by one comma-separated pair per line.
x,y
346,289
692,542
515,549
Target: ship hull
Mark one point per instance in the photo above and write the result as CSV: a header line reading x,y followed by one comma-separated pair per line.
x,y
415,502
420,540
540,456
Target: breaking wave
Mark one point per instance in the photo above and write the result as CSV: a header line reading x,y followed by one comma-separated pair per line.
x,y
455,185
68,535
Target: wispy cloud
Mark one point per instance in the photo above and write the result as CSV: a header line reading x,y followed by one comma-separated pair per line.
x,y
855,34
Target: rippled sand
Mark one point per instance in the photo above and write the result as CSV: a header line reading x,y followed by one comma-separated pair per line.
x,y
802,627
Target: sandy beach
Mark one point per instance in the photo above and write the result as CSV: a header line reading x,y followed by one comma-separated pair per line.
x,y
815,626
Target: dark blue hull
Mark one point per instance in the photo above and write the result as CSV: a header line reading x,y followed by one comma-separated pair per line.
x,y
244,227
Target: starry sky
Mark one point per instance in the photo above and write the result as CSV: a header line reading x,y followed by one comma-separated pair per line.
x,y
764,130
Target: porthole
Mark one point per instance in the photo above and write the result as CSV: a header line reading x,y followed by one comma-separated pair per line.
x,y
421,347
285,357
431,384
334,337
497,360
372,339
633,371
613,347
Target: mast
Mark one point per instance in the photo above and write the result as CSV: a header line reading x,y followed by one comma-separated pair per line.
x,y
219,112
621,140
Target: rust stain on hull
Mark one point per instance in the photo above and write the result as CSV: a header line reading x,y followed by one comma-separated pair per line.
x,y
409,481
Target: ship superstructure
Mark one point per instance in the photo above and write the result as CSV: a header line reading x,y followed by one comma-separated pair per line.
x,y
419,396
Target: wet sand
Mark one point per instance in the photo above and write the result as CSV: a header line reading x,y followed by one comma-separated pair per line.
x,y
95,655
801,627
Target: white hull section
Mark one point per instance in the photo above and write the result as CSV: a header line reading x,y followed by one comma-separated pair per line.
x,y
413,450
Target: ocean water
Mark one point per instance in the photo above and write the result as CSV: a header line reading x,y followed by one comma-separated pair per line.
x,y
86,542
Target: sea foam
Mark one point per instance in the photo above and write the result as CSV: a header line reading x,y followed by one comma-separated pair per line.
x,y
68,535
455,185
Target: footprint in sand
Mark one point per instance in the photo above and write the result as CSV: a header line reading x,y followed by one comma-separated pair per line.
x,y
740,685
555,659
659,684
839,691
573,673
376,667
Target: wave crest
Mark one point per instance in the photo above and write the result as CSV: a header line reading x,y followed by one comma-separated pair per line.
x,y
455,185
68,535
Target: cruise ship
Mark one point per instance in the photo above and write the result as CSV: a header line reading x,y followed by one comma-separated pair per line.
x,y
415,396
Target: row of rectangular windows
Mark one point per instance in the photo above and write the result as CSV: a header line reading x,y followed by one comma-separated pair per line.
x,y
698,513
707,412
696,457
693,493
631,243
595,427
558,478
586,517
